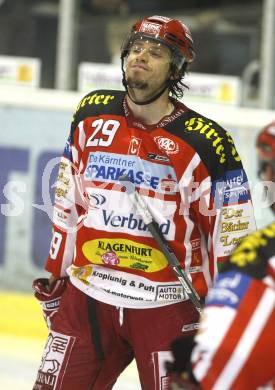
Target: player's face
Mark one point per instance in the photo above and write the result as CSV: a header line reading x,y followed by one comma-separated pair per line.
x,y
268,174
267,167
147,66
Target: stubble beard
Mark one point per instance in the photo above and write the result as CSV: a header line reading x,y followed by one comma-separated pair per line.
x,y
137,84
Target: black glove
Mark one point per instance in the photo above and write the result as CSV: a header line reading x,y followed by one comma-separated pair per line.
x,y
180,370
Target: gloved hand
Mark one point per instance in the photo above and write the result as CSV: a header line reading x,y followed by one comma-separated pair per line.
x,y
180,370
181,382
49,296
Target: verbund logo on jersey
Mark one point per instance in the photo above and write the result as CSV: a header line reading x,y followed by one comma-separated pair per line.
x,y
131,222
126,220
108,167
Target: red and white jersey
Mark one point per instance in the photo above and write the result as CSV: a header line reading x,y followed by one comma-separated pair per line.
x,y
235,345
188,172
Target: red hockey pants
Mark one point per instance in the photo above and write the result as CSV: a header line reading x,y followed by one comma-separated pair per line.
x,y
70,361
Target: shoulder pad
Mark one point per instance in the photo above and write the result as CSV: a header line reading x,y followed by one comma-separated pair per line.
x,y
213,144
99,102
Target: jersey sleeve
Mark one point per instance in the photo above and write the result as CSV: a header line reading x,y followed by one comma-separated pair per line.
x,y
68,207
218,193
230,198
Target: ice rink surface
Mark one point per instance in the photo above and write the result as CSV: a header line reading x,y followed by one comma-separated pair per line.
x,y
19,360
22,338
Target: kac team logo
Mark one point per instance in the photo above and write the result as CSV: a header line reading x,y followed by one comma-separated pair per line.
x,y
167,144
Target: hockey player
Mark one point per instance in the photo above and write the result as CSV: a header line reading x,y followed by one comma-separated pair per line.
x,y
239,320
122,301
234,347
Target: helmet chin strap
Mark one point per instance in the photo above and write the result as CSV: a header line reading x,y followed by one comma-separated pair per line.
x,y
151,99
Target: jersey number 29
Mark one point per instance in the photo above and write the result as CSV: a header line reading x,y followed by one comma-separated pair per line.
x,y
104,132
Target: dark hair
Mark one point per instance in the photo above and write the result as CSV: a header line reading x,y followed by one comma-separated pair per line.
x,y
176,86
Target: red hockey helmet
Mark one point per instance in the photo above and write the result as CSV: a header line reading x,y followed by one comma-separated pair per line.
x,y
266,147
170,32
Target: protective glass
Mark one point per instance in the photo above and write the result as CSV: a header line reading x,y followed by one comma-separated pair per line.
x,y
262,167
176,58
156,50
